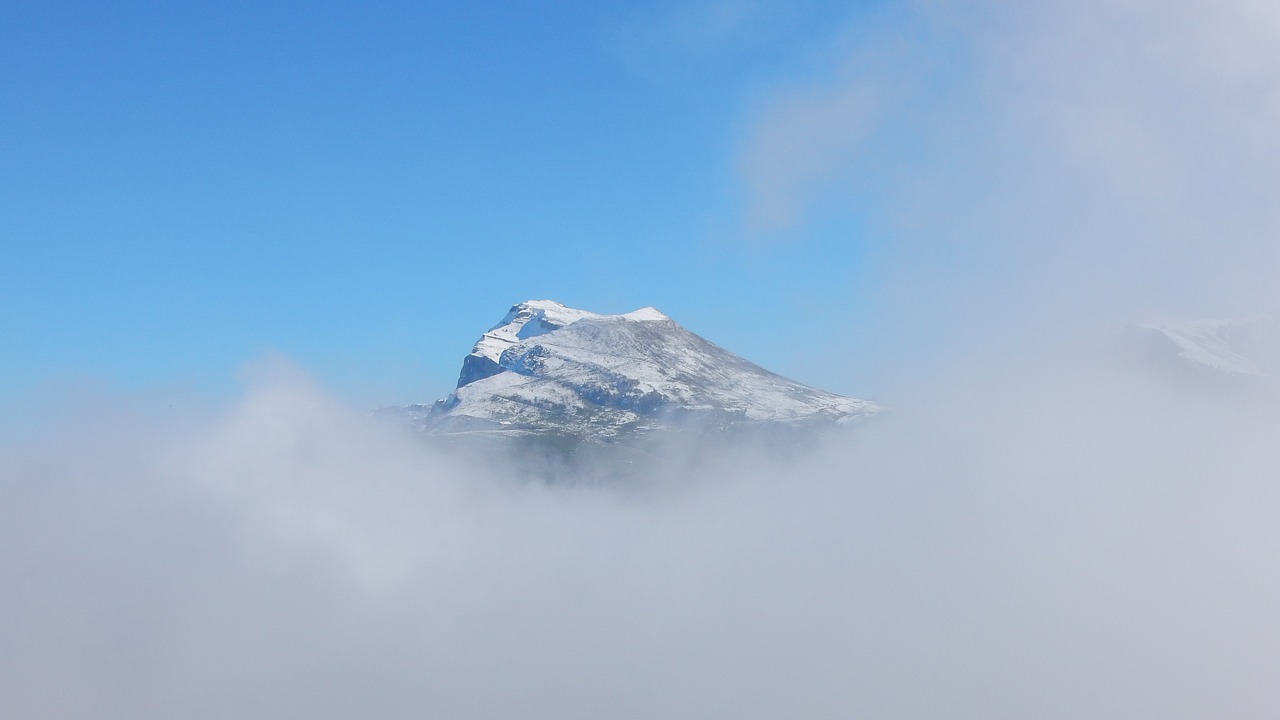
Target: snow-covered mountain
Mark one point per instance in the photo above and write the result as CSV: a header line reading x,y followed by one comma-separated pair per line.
x,y
548,369
1238,350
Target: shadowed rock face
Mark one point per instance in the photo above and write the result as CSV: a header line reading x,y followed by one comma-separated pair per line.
x,y
477,367
550,370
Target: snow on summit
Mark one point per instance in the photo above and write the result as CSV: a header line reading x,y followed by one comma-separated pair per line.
x,y
546,368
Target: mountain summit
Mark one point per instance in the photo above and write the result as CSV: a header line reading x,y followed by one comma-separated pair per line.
x,y
548,369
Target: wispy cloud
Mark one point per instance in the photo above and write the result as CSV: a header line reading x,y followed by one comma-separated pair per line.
x,y
1084,143
804,141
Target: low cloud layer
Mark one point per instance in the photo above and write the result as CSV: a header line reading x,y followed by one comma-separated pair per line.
x,y
1077,539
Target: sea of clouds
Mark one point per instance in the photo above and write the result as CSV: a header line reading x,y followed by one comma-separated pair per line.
x,y
1066,543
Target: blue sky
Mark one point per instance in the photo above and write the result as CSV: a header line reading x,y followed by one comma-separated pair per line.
x,y
835,190
364,188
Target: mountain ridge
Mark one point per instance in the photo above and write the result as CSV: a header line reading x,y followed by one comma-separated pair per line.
x,y
1240,350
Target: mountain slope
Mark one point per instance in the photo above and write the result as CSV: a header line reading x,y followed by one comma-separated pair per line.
x,y
1240,350
547,369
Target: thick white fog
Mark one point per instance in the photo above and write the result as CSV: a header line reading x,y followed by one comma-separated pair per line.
x,y
1067,542
1039,527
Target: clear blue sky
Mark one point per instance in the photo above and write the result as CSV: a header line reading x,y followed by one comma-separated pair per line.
x,y
366,187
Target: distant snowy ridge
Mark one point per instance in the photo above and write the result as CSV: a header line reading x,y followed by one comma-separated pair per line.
x,y
1246,348
546,368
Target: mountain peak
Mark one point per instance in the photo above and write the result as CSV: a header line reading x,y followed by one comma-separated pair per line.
x,y
646,314
547,368
524,320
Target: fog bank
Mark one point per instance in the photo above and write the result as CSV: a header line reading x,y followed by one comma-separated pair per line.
x,y
1076,540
